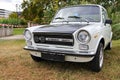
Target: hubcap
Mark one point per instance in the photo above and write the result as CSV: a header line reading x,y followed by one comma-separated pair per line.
x,y
101,58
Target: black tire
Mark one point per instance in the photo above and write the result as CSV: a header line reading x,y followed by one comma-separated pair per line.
x,y
36,59
109,46
97,62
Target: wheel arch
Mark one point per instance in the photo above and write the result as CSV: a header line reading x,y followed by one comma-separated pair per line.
x,y
100,40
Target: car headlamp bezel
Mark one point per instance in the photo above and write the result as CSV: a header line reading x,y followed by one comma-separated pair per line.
x,y
27,35
85,34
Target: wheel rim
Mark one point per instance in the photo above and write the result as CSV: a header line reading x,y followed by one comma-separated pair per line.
x,y
101,58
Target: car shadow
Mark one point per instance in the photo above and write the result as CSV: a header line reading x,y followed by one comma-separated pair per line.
x,y
63,66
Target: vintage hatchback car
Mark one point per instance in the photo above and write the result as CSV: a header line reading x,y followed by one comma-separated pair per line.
x,y
77,34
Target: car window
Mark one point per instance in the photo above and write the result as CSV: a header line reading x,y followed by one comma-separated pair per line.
x,y
90,13
104,15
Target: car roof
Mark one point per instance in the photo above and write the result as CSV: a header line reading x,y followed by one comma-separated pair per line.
x,y
94,5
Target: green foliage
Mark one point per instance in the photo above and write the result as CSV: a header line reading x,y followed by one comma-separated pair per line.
x,y
8,21
116,31
13,21
42,11
33,9
3,21
115,17
22,21
36,19
13,15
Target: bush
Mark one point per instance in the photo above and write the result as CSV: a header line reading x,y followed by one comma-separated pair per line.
x,y
23,22
116,31
3,21
115,17
13,21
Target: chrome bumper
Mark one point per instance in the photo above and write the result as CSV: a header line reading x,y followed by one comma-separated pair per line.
x,y
66,52
70,56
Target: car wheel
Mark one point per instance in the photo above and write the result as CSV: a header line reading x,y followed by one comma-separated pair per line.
x,y
97,62
109,47
36,59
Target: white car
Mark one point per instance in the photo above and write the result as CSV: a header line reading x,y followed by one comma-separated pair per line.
x,y
77,34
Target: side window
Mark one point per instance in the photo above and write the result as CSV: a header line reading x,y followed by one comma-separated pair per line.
x,y
104,15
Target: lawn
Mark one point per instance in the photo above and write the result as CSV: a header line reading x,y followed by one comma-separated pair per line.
x,y
18,31
16,64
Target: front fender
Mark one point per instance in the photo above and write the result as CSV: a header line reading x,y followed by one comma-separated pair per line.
x,y
111,36
101,38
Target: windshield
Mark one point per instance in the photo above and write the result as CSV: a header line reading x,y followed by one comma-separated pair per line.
x,y
78,14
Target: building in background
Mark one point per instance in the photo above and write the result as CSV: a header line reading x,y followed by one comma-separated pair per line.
x,y
4,13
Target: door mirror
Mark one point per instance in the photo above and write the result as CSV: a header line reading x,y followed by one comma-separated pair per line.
x,y
108,21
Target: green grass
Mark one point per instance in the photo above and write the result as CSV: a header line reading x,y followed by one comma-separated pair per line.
x,y
18,31
16,64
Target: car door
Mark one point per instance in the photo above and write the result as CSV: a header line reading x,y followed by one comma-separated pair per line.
x,y
106,27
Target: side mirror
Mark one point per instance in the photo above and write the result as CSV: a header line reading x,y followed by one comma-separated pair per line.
x,y
108,21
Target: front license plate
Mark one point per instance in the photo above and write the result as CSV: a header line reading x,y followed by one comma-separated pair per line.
x,y
53,56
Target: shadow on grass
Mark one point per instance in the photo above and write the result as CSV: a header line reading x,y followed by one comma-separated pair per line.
x,y
81,67
63,66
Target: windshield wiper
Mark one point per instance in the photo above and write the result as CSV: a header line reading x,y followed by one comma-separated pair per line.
x,y
62,18
77,17
74,17
59,18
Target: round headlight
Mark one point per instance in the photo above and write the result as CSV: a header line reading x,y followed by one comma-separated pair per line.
x,y
84,36
27,35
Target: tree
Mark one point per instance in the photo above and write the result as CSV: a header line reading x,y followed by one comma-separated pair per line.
x,y
42,11
13,15
34,10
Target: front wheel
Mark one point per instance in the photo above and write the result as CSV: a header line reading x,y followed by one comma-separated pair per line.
x,y
97,62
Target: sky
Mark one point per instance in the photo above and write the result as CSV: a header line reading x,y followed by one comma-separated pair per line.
x,y
10,4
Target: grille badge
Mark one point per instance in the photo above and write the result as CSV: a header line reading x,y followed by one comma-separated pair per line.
x,y
42,39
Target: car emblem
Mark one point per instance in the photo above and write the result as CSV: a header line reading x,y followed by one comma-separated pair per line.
x,y
42,39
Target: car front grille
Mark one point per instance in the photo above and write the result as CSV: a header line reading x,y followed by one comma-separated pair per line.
x,y
54,38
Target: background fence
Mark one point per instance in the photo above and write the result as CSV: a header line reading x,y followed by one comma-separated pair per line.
x,y
6,31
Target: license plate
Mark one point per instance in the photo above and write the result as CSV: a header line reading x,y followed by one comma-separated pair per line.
x,y
53,56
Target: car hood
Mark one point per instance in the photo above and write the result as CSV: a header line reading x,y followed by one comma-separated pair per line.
x,y
60,28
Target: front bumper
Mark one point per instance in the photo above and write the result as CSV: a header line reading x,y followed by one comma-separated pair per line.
x,y
71,56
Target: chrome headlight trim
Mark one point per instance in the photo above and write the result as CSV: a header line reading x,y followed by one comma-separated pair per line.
x,y
83,36
27,35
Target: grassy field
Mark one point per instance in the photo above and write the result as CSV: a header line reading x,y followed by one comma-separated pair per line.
x,y
18,31
16,64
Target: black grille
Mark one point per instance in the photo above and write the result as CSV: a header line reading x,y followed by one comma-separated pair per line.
x,y
40,38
